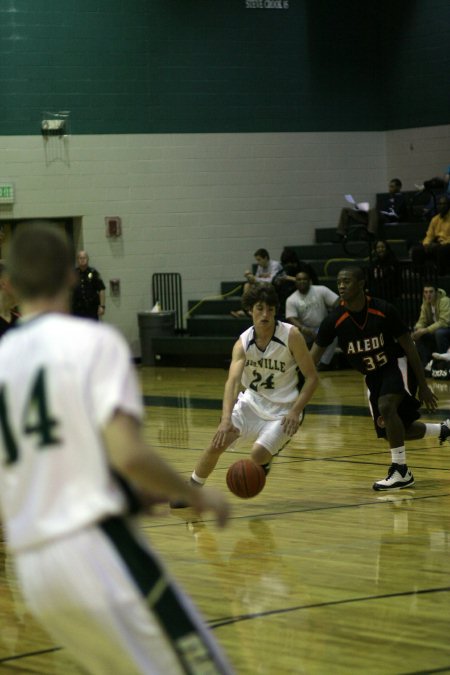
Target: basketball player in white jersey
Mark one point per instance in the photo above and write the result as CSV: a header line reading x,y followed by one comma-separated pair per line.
x,y
73,463
268,360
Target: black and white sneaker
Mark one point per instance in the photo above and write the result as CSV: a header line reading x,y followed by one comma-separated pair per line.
x,y
445,431
399,476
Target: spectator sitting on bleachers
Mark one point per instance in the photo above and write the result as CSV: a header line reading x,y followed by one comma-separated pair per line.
x,y
436,245
307,307
432,330
384,273
284,280
392,210
436,187
265,271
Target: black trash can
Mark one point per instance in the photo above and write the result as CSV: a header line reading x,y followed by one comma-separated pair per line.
x,y
153,324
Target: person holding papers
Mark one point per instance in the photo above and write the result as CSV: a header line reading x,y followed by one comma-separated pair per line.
x,y
392,211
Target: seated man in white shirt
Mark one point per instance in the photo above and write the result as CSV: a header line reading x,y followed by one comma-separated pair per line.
x,y
307,307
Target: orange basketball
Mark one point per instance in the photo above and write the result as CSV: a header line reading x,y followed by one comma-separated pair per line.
x,y
245,479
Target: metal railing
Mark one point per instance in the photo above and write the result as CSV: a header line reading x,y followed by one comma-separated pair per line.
x,y
167,290
405,289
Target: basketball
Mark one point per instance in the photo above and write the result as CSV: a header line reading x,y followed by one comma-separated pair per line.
x,y
245,479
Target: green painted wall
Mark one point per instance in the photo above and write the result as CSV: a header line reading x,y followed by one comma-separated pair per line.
x,y
173,66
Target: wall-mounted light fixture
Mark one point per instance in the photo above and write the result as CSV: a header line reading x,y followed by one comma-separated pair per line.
x,y
55,124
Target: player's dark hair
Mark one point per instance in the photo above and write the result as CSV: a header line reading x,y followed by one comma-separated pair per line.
x,y
262,253
429,284
260,293
39,260
356,272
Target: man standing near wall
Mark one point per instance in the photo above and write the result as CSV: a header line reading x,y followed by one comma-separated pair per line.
x,y
88,298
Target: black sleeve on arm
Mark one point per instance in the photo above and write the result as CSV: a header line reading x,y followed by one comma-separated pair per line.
x,y
396,324
327,332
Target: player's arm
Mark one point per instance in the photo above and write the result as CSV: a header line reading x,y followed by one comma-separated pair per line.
x,y
302,356
325,336
133,459
426,395
230,394
316,352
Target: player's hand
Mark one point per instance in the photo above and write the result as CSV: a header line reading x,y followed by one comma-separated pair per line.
x,y
308,332
148,500
207,499
427,397
291,423
220,437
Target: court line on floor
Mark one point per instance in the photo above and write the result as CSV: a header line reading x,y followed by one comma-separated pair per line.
x,y
445,669
26,655
190,402
319,605
276,514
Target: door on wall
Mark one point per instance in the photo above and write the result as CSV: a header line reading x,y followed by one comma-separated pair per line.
x,y
8,226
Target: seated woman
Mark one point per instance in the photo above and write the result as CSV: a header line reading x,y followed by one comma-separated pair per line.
x,y
384,274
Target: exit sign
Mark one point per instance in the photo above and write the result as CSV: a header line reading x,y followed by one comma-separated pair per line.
x,y
6,193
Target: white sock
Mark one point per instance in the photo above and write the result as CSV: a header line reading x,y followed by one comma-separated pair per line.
x,y
398,455
432,430
197,479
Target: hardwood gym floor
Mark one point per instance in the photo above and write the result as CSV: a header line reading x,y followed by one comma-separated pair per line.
x,y
319,574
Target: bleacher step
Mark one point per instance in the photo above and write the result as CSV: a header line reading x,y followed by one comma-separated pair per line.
x,y
193,351
220,306
216,325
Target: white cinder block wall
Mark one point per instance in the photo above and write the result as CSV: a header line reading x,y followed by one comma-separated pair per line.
x,y
418,154
200,204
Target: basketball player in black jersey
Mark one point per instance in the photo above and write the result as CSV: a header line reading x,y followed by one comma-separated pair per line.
x,y
373,336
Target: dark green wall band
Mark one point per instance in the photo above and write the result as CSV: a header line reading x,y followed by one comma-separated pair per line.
x,y
180,66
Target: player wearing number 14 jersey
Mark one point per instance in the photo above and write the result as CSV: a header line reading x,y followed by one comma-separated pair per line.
x,y
73,466
267,361
373,336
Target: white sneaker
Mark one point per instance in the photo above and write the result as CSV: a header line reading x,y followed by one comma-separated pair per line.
x,y
445,431
441,357
399,476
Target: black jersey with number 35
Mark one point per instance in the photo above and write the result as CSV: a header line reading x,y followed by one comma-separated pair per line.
x,y
367,338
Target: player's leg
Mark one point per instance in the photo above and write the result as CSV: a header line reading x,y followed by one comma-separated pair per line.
x,y
186,635
206,464
130,618
270,442
393,410
395,431
103,595
418,430
209,458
